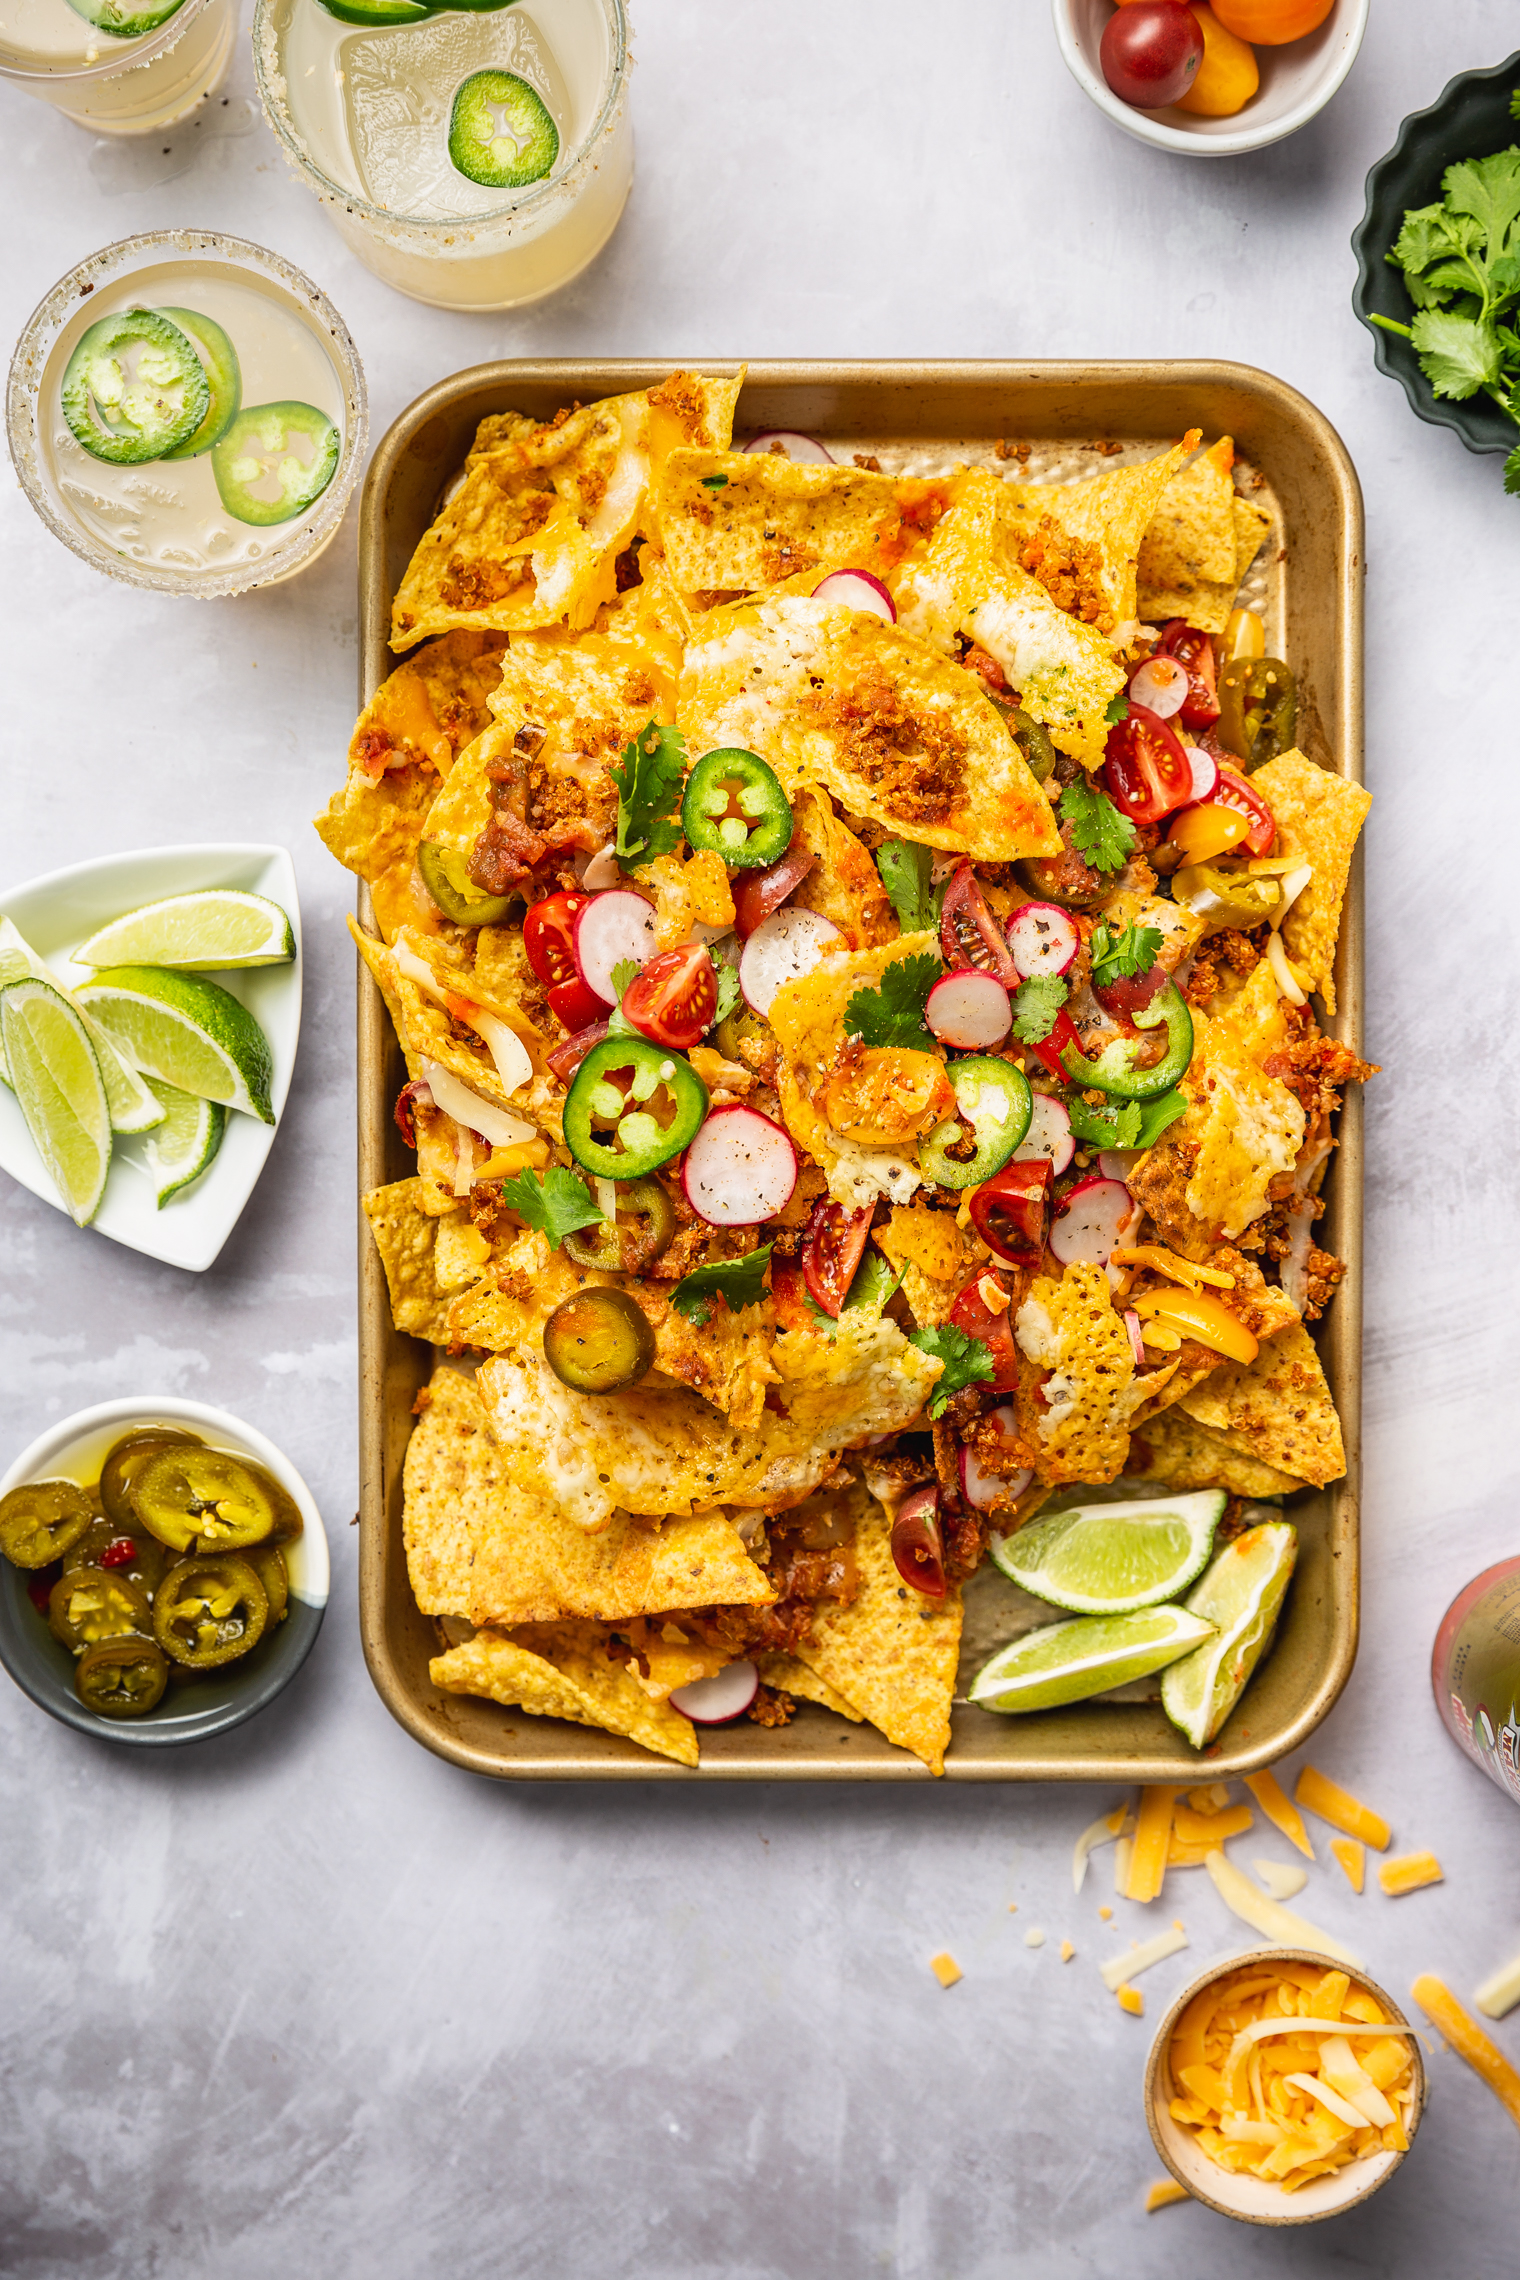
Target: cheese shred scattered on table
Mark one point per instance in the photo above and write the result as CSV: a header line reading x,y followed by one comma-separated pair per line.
x,y
945,1969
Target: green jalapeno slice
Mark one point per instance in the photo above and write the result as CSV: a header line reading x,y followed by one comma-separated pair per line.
x,y
993,1108
632,1105
134,388
208,1611
203,1497
126,1460
447,879
89,1604
1258,709
599,1341
274,461
121,1678
642,1230
42,1520
734,807
1114,1070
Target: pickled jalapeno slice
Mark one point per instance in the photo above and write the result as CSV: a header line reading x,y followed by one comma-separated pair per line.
x,y
1258,709
89,1604
121,1678
626,1245
209,1610
126,1460
448,882
41,1520
599,1341
203,1497
134,1554
268,1564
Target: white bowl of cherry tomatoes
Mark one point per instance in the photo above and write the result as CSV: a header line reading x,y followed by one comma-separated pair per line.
x,y
1210,80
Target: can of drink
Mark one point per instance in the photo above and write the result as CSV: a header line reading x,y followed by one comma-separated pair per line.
x,y
1475,1671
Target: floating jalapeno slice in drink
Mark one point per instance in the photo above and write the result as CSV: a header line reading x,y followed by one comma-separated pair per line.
x,y
42,1520
134,388
275,461
501,131
203,1497
208,1611
631,1106
734,807
224,377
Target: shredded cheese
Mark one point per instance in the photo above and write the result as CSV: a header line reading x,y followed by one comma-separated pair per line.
x,y
1499,1994
1034,1937
1067,1951
1274,1922
945,1969
1131,2000
1352,1860
1327,1801
1280,1810
1282,1878
1469,2042
1104,1831
1163,2194
1120,1969
1411,1872
1153,1829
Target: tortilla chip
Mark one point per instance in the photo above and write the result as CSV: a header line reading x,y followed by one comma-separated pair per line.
x,y
1319,816
406,1236
733,521
936,1258
1107,516
964,580
904,739
1277,1408
793,1677
844,885
1075,1402
808,1019
1245,1126
589,1690
689,894
479,1543
891,1652
1252,524
1176,1452
1188,552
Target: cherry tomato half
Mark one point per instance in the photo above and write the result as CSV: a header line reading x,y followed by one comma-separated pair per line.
x,y
1052,1047
1145,767
674,999
970,935
832,1250
1011,1211
758,893
972,1314
548,932
1149,53
1195,653
918,1542
575,1004
1125,996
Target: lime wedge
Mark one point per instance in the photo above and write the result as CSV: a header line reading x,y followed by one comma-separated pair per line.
x,y
132,1106
190,1032
58,1086
1240,1593
1066,1662
186,1141
1109,1559
210,931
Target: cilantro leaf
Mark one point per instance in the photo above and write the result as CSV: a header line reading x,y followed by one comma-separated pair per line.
x,y
1111,1126
649,795
1458,355
1118,709
1157,1114
1036,1004
729,992
1118,957
1487,190
556,1202
738,1282
967,1362
874,1283
893,1014
715,482
625,971
1099,833
904,866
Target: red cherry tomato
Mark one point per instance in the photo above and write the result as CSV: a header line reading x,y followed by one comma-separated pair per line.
x,y
972,1314
1052,1047
970,935
918,1542
1011,1211
1145,767
1125,996
832,1250
1234,791
1150,53
575,1004
673,1000
1194,652
548,932
758,893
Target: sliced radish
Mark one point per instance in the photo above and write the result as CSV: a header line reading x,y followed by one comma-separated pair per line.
x,y
790,445
1049,1134
983,1489
782,948
1042,939
717,1701
970,1010
1118,1163
601,872
1161,685
858,590
608,929
741,1168
1136,1340
1205,771
757,893
1090,1222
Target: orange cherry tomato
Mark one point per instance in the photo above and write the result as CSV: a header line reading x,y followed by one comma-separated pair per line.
x,y
1272,23
1227,77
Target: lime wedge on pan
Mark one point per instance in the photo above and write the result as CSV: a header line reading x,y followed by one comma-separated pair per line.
x,y
58,1086
1239,1593
190,1032
1109,1559
210,931
184,1144
1066,1662
132,1106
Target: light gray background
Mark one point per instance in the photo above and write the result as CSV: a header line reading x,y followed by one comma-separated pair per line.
x,y
307,2001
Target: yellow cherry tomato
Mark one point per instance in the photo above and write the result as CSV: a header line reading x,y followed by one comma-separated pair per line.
x,y
1272,23
1244,636
1205,831
1227,77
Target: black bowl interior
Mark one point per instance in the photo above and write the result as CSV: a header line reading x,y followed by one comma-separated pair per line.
x,y
1471,119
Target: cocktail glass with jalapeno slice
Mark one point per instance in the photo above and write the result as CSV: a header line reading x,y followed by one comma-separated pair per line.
x,y
118,66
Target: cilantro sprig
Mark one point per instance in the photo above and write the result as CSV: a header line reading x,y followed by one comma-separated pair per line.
x,y
556,1202
904,866
649,795
1126,1124
1099,833
738,1282
1118,957
1037,1005
893,1013
967,1362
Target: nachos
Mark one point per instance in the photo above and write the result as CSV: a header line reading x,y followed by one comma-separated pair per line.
x,y
858,942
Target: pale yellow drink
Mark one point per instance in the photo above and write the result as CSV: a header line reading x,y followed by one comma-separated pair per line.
x,y
364,118
112,85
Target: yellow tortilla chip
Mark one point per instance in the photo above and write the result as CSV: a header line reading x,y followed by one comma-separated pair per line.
x,y
1175,1451
1107,517
1245,1126
902,738
1318,817
589,1690
964,579
935,1256
479,1543
891,1652
844,885
1076,1414
686,895
407,1238
808,1019
1277,1408
1189,546
793,1677
733,521
1252,524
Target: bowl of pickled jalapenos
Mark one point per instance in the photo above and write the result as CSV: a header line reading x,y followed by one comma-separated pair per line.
x,y
164,1571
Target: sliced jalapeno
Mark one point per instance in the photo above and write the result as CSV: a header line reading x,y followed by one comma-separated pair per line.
x,y
203,1497
993,1099
268,1564
126,1460
644,1225
377,15
733,806
501,131
1258,709
631,1106
1033,741
134,388
208,1611
42,1520
275,461
224,377
124,22
1114,1070
121,1678
134,1554
599,1341
447,879
89,1604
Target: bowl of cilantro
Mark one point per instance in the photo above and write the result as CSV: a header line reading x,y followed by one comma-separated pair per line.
x,y
1438,262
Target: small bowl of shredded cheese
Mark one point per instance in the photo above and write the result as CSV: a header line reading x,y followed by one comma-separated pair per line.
x,y
1282,2088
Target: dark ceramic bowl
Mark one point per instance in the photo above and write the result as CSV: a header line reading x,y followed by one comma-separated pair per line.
x,y
1471,120
222,1699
